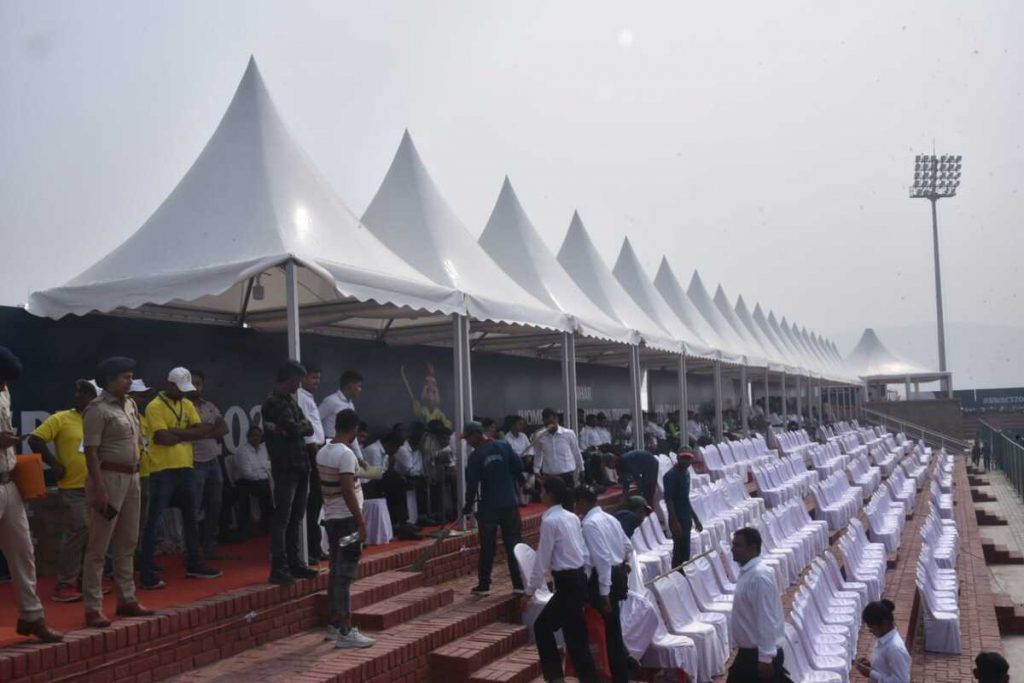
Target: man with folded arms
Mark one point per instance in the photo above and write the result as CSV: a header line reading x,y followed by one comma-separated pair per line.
x,y
15,537
64,430
112,440
175,424
558,451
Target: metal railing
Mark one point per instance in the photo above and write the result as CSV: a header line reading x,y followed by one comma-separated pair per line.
x,y
1005,453
931,437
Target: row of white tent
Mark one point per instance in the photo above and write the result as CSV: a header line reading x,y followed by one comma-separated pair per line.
x,y
253,227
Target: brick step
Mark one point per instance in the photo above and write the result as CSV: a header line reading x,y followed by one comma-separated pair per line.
x,y
400,653
391,612
520,666
982,497
976,481
454,662
986,518
1000,554
1009,615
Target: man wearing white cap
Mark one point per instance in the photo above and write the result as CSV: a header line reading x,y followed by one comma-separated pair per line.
x,y
175,424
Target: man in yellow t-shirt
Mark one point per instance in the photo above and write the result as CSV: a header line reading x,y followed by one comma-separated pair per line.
x,y
175,424
64,430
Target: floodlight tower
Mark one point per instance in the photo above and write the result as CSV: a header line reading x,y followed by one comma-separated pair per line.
x,y
935,178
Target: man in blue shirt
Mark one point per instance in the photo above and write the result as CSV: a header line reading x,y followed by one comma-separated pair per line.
x,y
681,515
493,468
633,515
641,468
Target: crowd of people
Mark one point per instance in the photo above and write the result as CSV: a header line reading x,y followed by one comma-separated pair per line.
x,y
123,457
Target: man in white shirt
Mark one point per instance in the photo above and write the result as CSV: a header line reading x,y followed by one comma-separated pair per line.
x,y
520,444
562,552
590,435
693,429
251,473
350,387
654,432
602,427
346,528
558,451
609,550
756,622
307,402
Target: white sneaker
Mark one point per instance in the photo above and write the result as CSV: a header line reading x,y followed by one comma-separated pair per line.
x,y
332,633
353,639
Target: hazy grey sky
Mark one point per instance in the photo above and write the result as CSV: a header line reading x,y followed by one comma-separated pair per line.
x,y
769,144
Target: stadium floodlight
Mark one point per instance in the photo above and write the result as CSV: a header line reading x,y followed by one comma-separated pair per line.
x,y
936,178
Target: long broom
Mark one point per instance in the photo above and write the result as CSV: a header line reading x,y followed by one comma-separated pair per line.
x,y
421,561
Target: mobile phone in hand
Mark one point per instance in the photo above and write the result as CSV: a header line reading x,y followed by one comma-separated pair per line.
x,y
110,512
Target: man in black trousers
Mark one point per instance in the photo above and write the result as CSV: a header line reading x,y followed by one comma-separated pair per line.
x,y
561,552
493,468
609,549
681,516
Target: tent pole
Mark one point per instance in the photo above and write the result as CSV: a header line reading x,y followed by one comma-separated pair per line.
x,y
683,401
291,278
719,427
799,398
569,379
744,408
635,380
292,294
766,400
784,414
463,404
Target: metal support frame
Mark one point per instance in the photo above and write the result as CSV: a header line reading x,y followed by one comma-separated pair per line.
x,y
767,395
463,402
821,403
719,427
799,398
291,277
744,402
635,380
684,397
569,380
784,411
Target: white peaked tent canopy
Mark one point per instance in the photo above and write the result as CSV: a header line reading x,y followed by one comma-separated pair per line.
x,y
638,286
750,342
769,332
871,359
410,216
514,243
703,303
672,292
772,351
579,257
251,202
794,352
809,343
789,333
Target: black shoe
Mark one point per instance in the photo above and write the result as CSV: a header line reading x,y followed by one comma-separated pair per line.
x,y
202,572
281,578
407,533
481,590
303,572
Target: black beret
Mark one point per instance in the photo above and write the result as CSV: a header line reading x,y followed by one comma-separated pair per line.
x,y
112,367
10,366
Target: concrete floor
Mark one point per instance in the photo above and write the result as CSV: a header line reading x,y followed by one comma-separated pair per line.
x,y
1007,579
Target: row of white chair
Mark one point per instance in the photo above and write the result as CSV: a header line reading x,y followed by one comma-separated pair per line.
x,y
827,459
783,479
836,501
937,580
734,458
863,474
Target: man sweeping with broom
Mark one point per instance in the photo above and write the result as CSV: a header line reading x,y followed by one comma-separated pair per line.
x,y
494,468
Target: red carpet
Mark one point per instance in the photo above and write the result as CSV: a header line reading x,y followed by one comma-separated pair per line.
x,y
251,567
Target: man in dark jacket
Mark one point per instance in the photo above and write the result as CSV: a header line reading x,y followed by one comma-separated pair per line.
x,y
285,427
493,468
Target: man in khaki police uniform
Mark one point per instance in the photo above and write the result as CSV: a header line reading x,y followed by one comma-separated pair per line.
x,y
15,538
112,441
